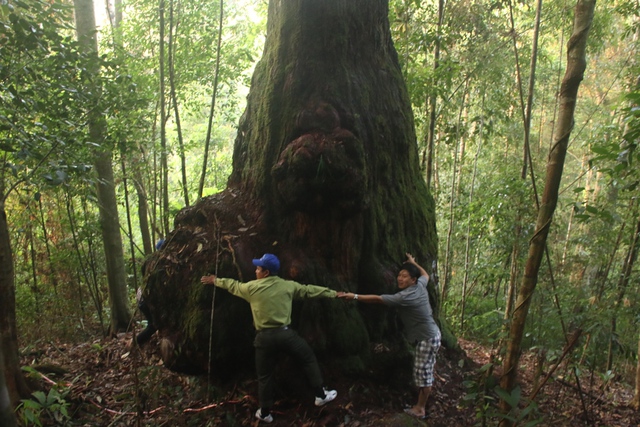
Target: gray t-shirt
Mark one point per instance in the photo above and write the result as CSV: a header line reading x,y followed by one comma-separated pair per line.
x,y
414,311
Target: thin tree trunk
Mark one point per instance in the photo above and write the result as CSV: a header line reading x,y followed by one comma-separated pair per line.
x,y
452,203
532,82
112,241
433,101
514,35
605,276
623,283
513,274
635,403
207,141
91,281
34,269
132,245
567,236
163,128
107,202
176,110
52,276
143,214
467,250
576,65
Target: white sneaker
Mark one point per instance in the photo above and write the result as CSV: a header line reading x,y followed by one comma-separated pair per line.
x,y
268,419
329,395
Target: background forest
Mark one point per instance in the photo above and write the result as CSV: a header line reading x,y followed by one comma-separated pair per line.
x,y
167,82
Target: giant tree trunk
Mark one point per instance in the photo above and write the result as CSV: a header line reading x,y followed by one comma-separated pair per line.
x,y
15,381
108,204
325,175
576,65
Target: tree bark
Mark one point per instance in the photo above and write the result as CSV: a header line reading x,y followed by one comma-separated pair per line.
x,y
7,416
576,64
15,381
107,202
325,175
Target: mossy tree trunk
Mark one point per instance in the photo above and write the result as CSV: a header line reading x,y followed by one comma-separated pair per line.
x,y
325,175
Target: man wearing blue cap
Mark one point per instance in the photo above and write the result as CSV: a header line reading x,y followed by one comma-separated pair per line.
x,y
271,298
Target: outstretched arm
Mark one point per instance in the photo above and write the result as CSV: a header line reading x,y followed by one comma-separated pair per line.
x,y
373,299
412,260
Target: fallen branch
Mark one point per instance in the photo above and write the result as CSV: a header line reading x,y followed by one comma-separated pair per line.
x,y
214,405
111,411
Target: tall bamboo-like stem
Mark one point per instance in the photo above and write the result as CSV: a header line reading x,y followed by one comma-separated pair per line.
x,y
526,118
62,201
605,276
516,54
576,65
85,267
467,249
452,203
155,184
164,182
132,246
34,269
635,402
207,141
433,99
532,82
174,102
567,236
623,284
513,275
47,245
143,212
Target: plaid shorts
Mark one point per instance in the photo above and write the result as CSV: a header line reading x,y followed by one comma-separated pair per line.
x,y
424,361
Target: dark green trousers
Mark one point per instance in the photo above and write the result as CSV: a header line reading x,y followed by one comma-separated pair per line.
x,y
269,344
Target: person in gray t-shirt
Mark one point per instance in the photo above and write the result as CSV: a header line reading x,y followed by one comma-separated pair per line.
x,y
414,309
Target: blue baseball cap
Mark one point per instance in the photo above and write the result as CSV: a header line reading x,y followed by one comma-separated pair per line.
x,y
268,262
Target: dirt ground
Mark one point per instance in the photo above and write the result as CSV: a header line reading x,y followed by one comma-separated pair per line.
x,y
109,384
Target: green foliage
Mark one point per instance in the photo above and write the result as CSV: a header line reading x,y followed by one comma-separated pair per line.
x,y
50,406
40,79
43,105
486,209
483,392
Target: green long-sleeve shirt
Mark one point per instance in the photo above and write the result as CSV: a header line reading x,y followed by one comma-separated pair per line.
x,y
271,298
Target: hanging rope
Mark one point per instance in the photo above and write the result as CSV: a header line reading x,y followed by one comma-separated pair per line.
x,y
213,299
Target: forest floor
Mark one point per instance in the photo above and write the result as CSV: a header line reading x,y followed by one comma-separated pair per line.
x,y
109,384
